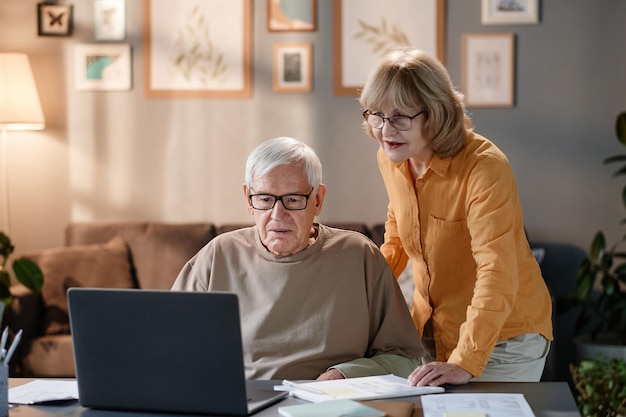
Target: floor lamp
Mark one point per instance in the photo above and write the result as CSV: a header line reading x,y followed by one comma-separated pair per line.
x,y
20,109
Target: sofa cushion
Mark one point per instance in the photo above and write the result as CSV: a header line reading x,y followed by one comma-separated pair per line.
x,y
96,265
160,251
50,356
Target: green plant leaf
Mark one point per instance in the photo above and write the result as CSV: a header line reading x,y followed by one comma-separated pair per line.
x,y
28,274
615,158
608,285
620,127
601,387
6,247
585,283
620,272
598,246
621,171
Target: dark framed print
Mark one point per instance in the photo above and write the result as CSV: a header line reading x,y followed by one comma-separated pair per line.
x,y
54,19
293,67
291,15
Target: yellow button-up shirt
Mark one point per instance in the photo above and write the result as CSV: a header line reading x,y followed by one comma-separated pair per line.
x,y
475,275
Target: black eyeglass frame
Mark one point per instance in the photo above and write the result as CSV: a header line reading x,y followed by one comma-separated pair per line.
x,y
280,198
367,113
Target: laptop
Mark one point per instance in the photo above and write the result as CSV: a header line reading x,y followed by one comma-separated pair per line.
x,y
163,351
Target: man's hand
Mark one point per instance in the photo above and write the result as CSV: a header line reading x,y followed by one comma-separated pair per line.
x,y
439,373
330,374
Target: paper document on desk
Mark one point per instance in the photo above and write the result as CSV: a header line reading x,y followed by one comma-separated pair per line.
x,y
460,405
363,388
43,391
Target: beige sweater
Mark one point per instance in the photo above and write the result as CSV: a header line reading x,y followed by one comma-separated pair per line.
x,y
335,304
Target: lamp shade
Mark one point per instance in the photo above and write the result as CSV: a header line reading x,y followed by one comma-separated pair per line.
x,y
20,108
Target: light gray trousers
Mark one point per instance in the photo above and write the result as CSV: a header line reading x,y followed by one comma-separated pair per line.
x,y
518,359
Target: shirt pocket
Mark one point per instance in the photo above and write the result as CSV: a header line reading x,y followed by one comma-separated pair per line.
x,y
451,266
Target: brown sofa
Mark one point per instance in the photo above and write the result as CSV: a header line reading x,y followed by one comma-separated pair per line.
x,y
123,255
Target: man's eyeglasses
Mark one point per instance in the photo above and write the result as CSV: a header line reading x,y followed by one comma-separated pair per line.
x,y
399,122
290,201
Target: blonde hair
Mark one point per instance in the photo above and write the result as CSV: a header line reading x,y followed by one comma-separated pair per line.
x,y
409,78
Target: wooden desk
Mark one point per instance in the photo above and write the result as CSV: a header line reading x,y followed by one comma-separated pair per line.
x,y
547,399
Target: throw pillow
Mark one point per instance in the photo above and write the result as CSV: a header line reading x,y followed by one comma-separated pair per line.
x,y
97,265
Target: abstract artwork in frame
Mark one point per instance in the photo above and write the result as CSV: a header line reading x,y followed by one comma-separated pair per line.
x,y
291,15
192,51
109,20
365,30
511,12
103,67
488,69
292,67
54,19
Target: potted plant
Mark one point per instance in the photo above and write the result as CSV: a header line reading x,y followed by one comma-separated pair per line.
x,y
600,386
600,292
26,271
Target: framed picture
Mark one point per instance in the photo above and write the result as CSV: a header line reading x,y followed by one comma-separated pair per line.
x,y
54,19
365,30
292,67
291,15
488,72
109,20
102,67
501,12
192,51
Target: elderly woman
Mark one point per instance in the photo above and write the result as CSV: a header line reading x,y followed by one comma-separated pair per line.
x,y
480,302
316,302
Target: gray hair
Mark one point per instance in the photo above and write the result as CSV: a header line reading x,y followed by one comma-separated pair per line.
x,y
280,151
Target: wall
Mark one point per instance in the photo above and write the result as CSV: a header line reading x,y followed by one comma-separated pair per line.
x,y
119,156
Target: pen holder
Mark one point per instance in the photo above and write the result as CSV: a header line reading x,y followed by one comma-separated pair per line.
x,y
4,390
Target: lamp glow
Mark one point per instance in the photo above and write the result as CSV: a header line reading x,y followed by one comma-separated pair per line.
x,y
20,109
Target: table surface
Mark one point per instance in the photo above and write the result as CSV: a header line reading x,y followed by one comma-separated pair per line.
x,y
547,399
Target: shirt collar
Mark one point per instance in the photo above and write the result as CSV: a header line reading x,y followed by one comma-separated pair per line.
x,y
439,166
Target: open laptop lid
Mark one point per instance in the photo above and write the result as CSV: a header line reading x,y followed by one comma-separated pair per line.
x,y
163,351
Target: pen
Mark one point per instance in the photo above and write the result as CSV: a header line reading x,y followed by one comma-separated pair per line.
x,y
3,339
14,343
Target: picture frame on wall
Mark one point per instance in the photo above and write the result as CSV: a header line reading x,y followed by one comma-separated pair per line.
x,y
103,67
293,67
190,51
364,30
488,69
109,20
503,12
54,19
291,15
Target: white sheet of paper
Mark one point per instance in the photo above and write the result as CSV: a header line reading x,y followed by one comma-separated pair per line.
x,y
39,391
361,388
501,405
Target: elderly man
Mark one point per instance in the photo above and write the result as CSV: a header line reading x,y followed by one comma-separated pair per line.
x,y
316,302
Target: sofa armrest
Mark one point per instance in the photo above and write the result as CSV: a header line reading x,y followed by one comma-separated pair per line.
x,y
25,312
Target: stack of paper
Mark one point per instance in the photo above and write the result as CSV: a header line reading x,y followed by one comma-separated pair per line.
x,y
477,404
41,391
364,388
